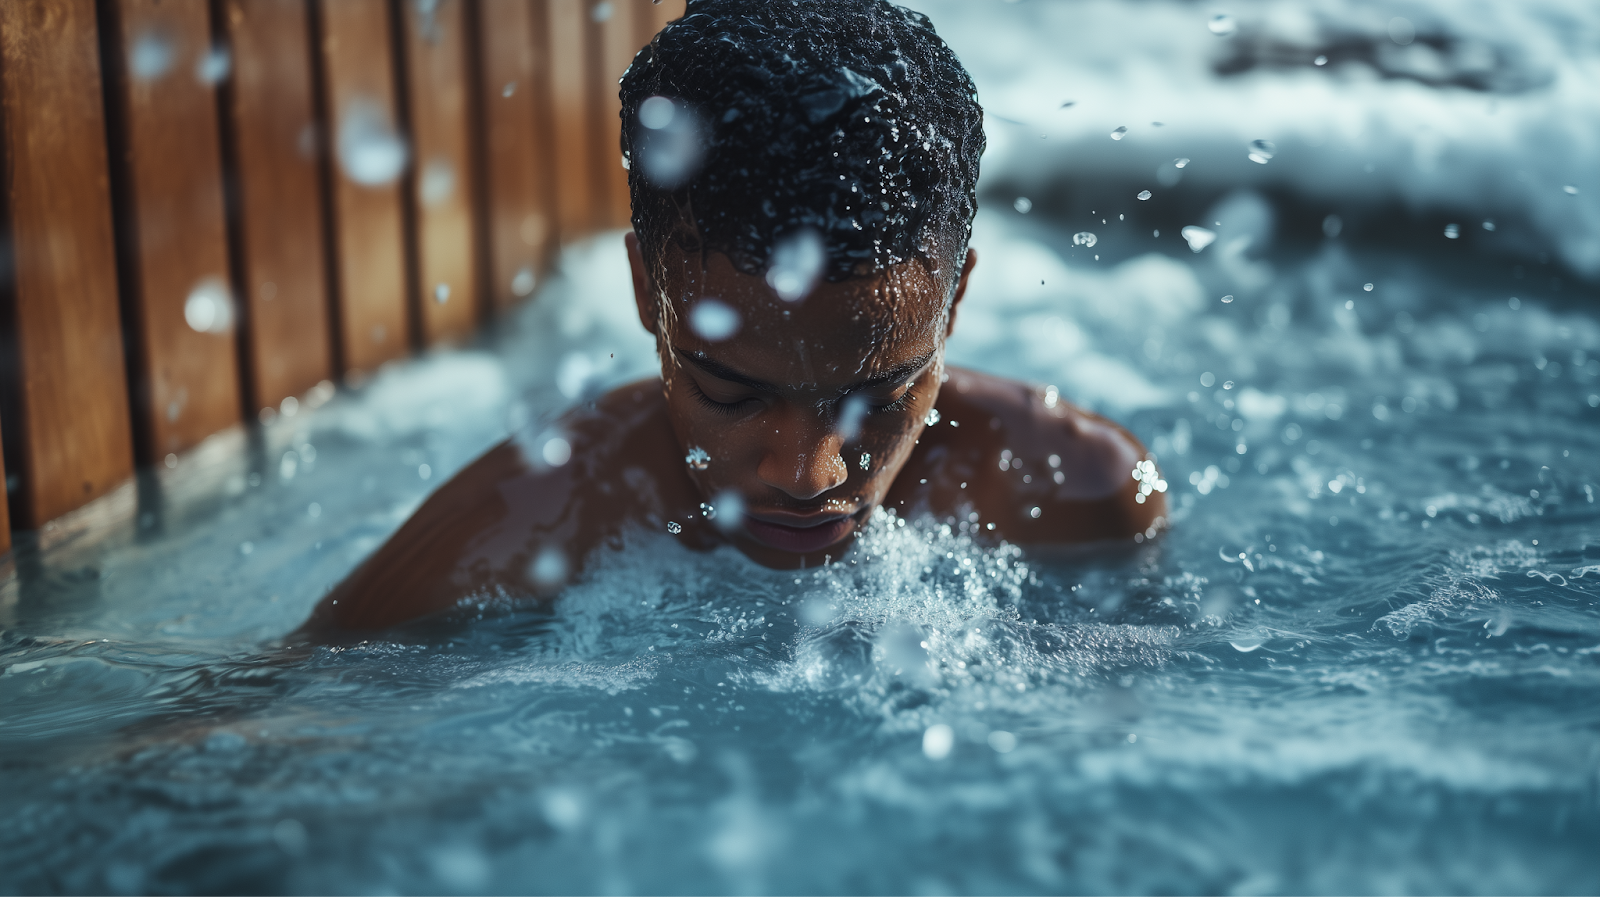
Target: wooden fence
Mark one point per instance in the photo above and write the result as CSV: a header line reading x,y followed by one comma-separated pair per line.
x,y
210,206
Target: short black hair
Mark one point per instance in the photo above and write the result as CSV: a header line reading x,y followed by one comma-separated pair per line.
x,y
850,117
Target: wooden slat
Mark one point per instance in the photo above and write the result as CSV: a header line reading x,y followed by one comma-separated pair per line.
x,y
368,224
63,383
571,118
517,149
618,41
274,149
444,172
174,247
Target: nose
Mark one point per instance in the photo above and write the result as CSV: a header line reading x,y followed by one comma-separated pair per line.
x,y
802,459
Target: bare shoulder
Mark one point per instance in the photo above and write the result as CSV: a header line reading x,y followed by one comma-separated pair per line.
x,y
1038,467
520,520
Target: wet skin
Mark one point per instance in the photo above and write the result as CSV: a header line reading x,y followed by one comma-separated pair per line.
x,y
813,413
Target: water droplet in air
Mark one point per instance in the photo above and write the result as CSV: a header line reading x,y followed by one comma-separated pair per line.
x,y
674,527
713,320
1023,205
1488,225
1401,31
1002,741
1120,132
1051,397
708,510
729,511
438,182
656,113
601,11
1034,513
1222,24
1262,150
441,293
213,66
931,418
549,569
509,89
852,411
937,741
209,307
1084,238
866,461
796,264
522,283
1198,238
1570,190
1320,60
1332,226
556,451
1367,287
151,56
1145,194
698,458
1246,645
1180,163
370,152
1452,231
1226,299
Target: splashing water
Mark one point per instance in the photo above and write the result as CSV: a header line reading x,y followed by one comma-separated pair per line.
x,y
1084,238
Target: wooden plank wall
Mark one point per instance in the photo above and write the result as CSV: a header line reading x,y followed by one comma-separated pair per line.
x,y
211,206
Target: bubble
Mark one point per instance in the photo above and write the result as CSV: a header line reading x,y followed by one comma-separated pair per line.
x,y
209,307
1332,226
1144,194
698,458
438,182
656,113
549,569
674,527
1120,132
370,152
1320,60
151,56
1002,741
931,418
1198,238
866,461
556,451
1401,31
1262,150
796,264
1452,231
523,282
1023,205
214,65
1222,24
937,741
1084,238
441,293
713,320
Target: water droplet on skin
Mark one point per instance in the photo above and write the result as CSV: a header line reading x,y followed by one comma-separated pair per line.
x,y
866,461
796,264
937,741
697,459
1023,205
1144,194
713,320
1198,238
1120,132
931,418
1261,151
370,152
1222,24
674,527
1084,238
1452,231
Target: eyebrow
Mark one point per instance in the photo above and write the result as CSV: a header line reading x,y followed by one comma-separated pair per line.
x,y
723,372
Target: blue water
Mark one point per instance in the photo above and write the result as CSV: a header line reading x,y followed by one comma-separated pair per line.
x,y
1363,660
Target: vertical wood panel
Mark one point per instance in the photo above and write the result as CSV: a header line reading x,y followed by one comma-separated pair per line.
x,y
443,171
63,385
618,41
571,118
368,224
518,155
282,274
174,247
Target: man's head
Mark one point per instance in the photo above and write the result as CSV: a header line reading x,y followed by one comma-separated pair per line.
x,y
803,177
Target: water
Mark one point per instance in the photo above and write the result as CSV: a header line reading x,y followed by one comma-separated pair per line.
x,y
1363,659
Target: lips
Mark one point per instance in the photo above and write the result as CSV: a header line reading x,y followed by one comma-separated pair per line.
x,y
800,534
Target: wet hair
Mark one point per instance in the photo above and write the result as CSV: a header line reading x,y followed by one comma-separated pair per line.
x,y
848,118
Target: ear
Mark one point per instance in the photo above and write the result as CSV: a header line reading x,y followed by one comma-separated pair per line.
x,y
961,288
644,294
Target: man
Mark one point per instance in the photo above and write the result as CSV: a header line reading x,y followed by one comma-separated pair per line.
x,y
803,178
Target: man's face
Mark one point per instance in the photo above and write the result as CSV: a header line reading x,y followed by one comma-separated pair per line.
x,y
808,409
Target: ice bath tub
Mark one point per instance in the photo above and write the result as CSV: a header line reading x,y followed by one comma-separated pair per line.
x,y
1364,659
